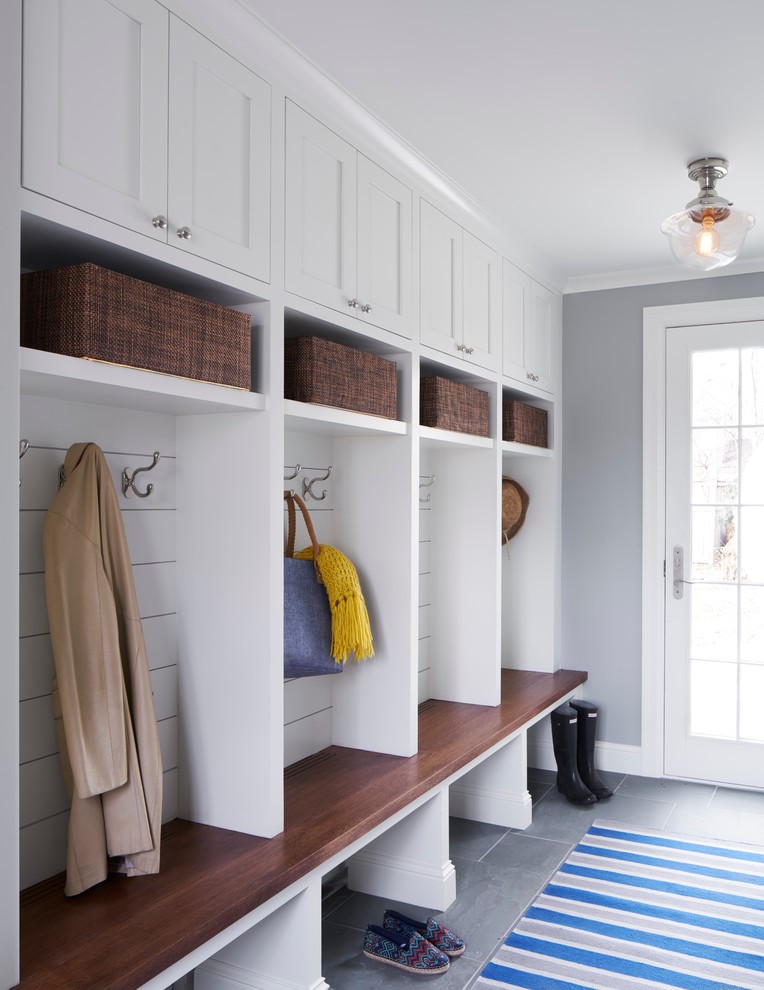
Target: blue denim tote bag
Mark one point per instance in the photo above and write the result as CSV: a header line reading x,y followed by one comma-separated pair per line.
x,y
307,617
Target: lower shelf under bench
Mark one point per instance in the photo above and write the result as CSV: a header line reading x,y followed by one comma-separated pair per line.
x,y
237,897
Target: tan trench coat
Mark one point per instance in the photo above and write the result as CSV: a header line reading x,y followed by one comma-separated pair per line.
x,y
102,699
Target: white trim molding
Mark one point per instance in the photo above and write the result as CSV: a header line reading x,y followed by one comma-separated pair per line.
x,y
656,321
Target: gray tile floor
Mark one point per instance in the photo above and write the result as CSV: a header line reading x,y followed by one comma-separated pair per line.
x,y
499,871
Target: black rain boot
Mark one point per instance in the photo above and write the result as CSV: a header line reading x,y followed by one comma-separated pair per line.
x,y
587,733
564,726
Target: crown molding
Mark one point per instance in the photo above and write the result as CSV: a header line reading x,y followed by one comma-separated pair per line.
x,y
654,276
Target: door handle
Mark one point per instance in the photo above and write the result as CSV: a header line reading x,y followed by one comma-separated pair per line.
x,y
678,571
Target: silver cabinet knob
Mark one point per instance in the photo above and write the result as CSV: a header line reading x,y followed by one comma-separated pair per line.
x,y
366,308
159,222
531,377
469,350
184,233
461,347
353,303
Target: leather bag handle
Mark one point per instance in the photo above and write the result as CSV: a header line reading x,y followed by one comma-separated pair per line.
x,y
291,498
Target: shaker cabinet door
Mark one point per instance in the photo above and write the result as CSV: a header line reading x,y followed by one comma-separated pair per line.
x,y
320,250
95,107
516,317
384,289
482,303
539,348
441,281
527,329
219,155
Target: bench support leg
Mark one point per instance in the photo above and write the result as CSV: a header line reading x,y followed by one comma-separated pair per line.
x,y
496,791
268,957
409,862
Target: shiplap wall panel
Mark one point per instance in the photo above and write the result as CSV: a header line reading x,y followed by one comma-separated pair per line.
x,y
42,849
37,731
36,663
41,790
128,439
161,635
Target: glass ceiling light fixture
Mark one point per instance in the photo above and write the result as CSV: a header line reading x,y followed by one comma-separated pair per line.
x,y
708,233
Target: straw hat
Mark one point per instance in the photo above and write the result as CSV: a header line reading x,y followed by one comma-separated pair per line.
x,y
514,505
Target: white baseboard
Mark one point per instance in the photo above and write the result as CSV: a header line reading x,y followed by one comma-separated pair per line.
x,y
614,757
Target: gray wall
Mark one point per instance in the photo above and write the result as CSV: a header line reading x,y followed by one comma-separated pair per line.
x,y
602,487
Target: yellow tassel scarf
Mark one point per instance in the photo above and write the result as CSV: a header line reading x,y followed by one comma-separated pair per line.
x,y
351,630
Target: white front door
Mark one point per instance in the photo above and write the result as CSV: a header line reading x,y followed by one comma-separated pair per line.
x,y
714,670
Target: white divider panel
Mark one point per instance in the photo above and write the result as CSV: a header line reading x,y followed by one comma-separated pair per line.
x,y
425,576
410,861
128,440
281,952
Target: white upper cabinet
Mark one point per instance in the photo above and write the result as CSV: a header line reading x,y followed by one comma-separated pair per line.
x,y
179,151
95,107
527,330
348,227
460,303
220,159
481,301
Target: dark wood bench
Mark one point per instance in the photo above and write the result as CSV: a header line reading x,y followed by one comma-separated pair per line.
x,y
125,932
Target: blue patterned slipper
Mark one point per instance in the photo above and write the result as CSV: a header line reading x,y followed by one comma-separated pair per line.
x,y
441,937
413,952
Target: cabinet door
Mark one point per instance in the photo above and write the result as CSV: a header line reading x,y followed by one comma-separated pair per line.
x,y
384,262
481,332
219,155
320,234
527,329
538,350
516,317
441,281
95,107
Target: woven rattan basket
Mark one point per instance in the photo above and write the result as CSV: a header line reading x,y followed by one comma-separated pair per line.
x,y
90,312
451,405
524,424
331,374
514,505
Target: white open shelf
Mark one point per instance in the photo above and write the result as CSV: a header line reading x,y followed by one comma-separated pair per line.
x,y
57,376
525,449
433,438
308,417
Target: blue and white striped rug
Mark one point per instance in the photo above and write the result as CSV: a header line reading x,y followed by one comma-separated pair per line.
x,y
636,908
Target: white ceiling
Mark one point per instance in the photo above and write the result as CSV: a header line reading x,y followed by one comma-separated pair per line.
x,y
571,120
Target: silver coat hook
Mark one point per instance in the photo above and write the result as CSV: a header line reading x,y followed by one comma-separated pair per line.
x,y
288,467
426,484
307,486
128,479
23,448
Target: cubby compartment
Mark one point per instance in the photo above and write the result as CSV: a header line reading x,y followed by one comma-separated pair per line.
x,y
529,583
458,563
530,594
547,405
368,515
127,439
379,345
189,614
